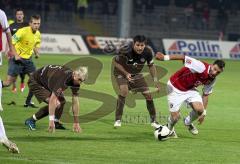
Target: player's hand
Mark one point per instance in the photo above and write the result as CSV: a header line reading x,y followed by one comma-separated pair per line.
x,y
17,57
201,119
76,128
37,56
129,77
11,54
160,56
51,127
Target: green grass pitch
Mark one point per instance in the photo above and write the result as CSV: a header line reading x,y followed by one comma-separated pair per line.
x,y
217,142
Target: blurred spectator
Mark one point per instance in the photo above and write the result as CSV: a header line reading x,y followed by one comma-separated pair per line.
x,y
82,5
222,20
234,9
188,12
198,10
206,16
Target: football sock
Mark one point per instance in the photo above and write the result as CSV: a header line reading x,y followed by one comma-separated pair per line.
x,y
120,106
22,76
2,130
29,97
42,112
151,110
193,115
171,122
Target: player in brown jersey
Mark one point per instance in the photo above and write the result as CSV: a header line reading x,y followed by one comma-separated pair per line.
x,y
128,64
48,84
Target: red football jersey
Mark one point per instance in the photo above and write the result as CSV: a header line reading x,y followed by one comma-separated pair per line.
x,y
193,74
3,25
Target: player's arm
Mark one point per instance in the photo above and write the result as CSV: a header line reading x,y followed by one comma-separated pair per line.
x,y
207,90
36,52
37,47
75,110
205,100
162,57
120,67
16,38
153,72
6,29
53,103
152,68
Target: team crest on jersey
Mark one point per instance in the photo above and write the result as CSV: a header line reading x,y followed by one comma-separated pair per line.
x,y
142,60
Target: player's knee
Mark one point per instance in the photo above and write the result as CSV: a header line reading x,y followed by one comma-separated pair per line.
x,y
175,116
124,92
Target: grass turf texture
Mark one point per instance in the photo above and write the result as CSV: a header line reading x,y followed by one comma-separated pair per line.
x,y
217,142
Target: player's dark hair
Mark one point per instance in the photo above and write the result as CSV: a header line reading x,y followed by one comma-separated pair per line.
x,y
140,38
18,9
219,63
37,17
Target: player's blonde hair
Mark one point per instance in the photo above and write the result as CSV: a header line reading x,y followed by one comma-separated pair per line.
x,y
81,72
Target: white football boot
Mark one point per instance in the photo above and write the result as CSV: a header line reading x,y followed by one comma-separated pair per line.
x,y
117,124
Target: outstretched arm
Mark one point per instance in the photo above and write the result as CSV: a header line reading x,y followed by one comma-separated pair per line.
x,y
205,100
53,104
153,72
75,110
162,57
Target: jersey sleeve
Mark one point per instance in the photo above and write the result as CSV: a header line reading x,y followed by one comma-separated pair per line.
x,y
17,36
150,60
194,65
208,89
4,22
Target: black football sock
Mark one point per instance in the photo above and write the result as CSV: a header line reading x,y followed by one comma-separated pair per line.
x,y
151,110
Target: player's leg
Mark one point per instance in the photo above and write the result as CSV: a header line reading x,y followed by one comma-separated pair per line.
x,y
195,101
12,147
14,69
29,68
58,114
42,95
14,86
1,108
120,104
122,94
197,110
151,109
22,86
175,100
31,121
140,85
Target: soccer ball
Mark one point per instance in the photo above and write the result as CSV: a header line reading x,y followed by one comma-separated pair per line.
x,y
162,133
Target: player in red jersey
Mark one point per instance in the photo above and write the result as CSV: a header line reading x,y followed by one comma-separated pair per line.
x,y
4,28
182,89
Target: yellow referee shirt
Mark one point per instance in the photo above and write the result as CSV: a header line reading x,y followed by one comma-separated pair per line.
x,y
24,41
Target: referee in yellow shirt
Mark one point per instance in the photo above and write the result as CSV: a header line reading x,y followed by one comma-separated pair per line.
x,y
26,42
